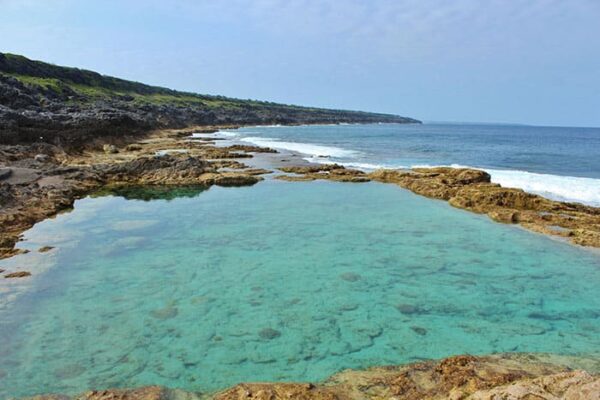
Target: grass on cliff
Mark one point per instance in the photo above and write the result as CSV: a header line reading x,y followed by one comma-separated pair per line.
x,y
78,86
77,92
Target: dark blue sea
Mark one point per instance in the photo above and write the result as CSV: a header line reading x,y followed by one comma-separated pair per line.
x,y
560,163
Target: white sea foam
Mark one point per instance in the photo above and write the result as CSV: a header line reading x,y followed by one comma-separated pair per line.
x,y
563,188
227,134
312,150
556,187
364,166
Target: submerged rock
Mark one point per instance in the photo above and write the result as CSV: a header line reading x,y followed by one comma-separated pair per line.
x,y
419,330
269,333
19,274
408,309
45,249
165,313
350,277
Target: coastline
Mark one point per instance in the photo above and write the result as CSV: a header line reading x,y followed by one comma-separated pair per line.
x,y
48,179
219,162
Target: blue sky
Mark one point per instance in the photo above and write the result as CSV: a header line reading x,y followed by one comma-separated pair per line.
x,y
534,62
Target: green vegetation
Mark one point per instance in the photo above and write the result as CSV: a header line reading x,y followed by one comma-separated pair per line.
x,y
88,86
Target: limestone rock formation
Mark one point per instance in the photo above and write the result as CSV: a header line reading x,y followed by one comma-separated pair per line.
x,y
333,172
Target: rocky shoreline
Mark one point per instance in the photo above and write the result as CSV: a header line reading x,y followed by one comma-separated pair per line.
x,y
472,190
38,181
502,376
71,107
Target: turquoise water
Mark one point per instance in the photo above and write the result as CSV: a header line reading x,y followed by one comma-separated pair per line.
x,y
282,281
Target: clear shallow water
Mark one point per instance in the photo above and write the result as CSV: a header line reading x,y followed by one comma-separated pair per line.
x,y
561,163
192,292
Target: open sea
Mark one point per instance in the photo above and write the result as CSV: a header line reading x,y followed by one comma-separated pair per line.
x,y
561,163
200,289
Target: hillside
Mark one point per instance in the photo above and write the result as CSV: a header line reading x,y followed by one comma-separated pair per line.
x,y
45,102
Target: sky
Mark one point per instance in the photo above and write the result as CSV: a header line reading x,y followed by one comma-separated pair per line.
x,y
510,61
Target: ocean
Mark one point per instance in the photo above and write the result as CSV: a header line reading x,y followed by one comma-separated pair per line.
x,y
559,163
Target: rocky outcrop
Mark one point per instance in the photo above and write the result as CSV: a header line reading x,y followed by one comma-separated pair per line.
x,y
472,190
332,172
32,190
508,377
576,385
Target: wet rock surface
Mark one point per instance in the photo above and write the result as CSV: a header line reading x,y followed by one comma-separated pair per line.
x,y
509,377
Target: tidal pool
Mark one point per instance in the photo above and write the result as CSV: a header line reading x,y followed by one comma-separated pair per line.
x,y
280,281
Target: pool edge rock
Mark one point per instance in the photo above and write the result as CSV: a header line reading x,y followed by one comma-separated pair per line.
x,y
36,188
472,190
501,376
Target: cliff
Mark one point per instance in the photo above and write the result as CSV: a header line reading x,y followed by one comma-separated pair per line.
x,y
61,105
